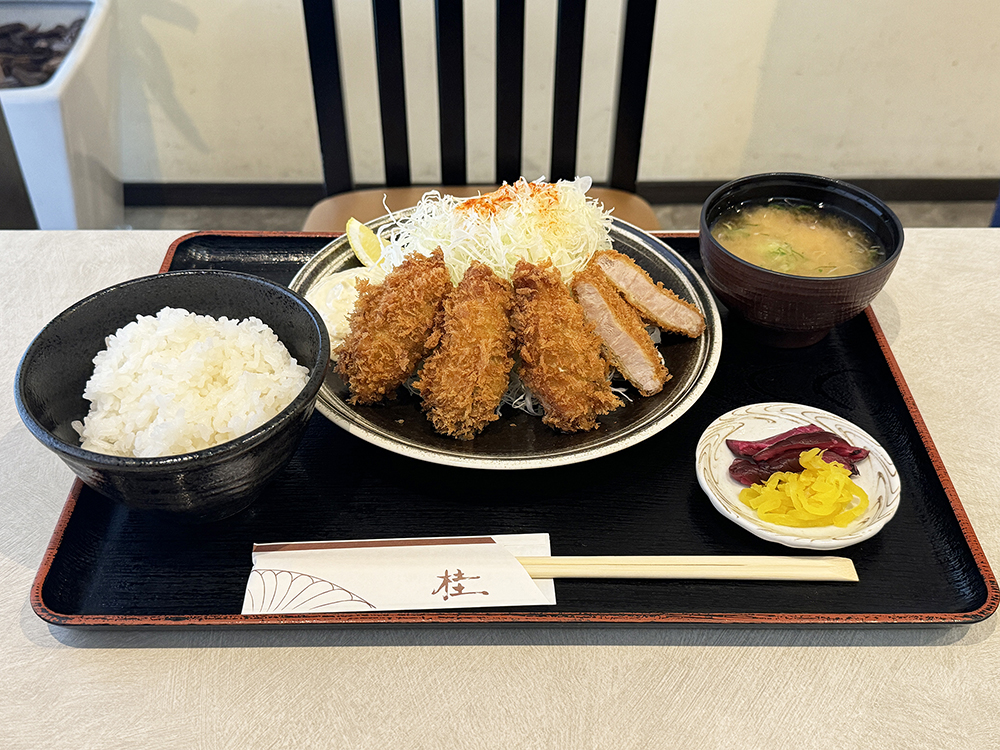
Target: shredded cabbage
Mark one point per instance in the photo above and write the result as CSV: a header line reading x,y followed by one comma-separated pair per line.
x,y
529,220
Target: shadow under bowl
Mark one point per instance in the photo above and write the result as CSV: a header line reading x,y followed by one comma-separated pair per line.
x,y
202,486
795,311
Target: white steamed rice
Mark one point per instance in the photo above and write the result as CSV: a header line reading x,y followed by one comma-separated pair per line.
x,y
180,382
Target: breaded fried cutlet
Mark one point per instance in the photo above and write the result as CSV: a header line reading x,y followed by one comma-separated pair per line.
x,y
390,327
627,344
654,301
560,353
464,379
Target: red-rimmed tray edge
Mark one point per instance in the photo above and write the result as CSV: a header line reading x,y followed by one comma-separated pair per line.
x,y
505,618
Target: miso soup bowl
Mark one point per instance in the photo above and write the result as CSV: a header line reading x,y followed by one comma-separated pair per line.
x,y
782,309
202,486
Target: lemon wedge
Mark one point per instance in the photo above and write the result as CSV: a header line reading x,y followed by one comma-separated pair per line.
x,y
364,242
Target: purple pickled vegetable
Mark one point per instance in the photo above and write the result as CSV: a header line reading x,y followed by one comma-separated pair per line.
x,y
747,448
850,452
826,441
757,460
747,471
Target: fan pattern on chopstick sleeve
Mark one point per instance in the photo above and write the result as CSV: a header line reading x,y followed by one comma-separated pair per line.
x,y
273,591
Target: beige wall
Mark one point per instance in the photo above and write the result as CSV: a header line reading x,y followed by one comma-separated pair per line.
x,y
216,91
219,90
895,88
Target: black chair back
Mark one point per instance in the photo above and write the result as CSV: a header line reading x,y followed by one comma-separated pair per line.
x,y
637,41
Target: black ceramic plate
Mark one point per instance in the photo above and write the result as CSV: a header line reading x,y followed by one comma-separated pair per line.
x,y
518,440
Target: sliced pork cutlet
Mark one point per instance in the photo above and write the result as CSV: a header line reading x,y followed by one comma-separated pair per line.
x,y
654,301
627,344
390,327
464,379
560,352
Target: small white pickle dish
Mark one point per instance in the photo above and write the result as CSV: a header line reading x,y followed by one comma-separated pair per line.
x,y
877,475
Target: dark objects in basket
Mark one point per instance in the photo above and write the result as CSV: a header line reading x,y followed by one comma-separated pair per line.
x,y
794,311
202,486
30,55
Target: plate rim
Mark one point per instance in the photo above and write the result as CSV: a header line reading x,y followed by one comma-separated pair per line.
x,y
355,425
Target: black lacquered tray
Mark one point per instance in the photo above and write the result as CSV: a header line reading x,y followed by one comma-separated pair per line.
x,y
107,566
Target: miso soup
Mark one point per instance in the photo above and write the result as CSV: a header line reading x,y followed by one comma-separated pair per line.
x,y
798,239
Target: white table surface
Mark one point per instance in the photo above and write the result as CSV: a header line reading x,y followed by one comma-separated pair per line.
x,y
551,688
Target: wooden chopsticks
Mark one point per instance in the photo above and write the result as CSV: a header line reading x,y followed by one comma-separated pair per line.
x,y
718,567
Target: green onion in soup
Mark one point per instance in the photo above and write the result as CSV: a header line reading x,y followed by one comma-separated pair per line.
x,y
797,239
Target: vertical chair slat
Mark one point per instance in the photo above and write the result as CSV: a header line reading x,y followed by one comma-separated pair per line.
x,y
566,92
324,62
451,90
392,91
510,88
637,41
637,45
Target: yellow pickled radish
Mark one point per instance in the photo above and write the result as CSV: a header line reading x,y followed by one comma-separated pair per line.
x,y
822,494
364,242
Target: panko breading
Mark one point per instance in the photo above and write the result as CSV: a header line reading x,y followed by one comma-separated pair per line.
x,y
390,327
654,301
464,379
627,344
560,353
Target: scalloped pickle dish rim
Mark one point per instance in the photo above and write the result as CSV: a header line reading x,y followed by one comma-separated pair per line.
x,y
877,474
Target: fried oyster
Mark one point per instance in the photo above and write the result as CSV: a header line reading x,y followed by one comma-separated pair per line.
x,y
560,353
390,327
464,379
